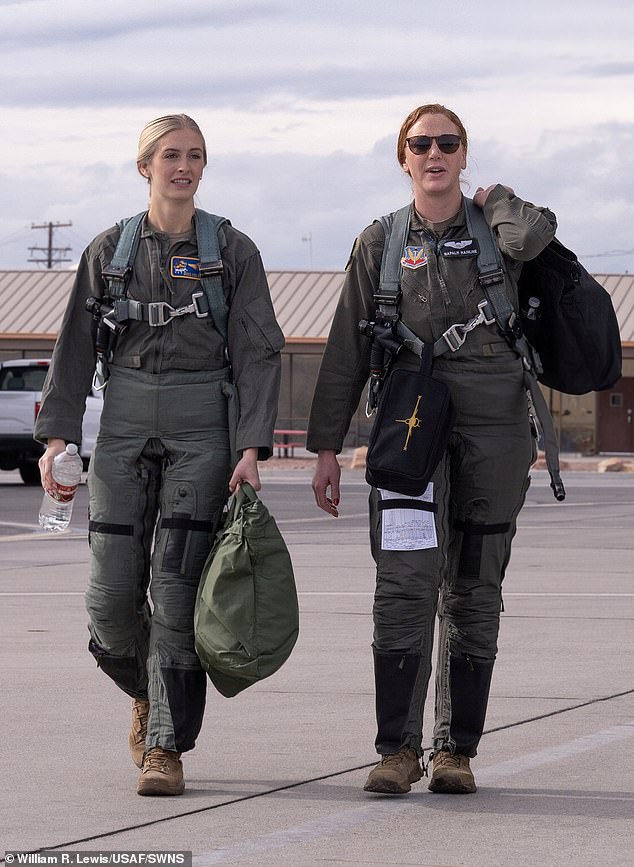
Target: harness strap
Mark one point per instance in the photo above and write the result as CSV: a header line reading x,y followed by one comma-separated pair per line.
x,y
208,231
451,340
157,313
119,269
396,228
496,307
491,277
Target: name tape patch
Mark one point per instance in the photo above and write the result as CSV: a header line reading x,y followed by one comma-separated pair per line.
x,y
457,249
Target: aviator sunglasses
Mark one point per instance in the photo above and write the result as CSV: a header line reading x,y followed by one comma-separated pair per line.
x,y
420,144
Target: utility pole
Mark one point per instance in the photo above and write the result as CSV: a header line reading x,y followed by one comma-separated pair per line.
x,y
50,249
309,238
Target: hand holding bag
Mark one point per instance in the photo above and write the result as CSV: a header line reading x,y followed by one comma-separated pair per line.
x,y
246,617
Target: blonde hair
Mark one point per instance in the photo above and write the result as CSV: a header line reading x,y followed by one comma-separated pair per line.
x,y
157,128
416,114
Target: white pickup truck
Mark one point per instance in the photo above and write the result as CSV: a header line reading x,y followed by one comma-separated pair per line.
x,y
21,384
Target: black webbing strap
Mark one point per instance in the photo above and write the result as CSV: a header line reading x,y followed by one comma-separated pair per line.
x,y
186,523
110,529
396,503
471,528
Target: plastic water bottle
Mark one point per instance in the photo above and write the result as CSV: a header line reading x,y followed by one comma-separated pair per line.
x,y
57,507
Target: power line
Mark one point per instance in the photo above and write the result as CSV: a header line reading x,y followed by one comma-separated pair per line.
x,y
50,249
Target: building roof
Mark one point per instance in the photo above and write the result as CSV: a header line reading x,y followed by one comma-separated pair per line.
x,y
32,302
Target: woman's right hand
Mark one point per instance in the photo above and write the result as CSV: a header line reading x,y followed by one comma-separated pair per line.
x,y
54,447
327,476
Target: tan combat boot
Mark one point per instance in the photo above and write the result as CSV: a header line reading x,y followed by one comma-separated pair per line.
x,y
162,773
452,774
394,773
138,730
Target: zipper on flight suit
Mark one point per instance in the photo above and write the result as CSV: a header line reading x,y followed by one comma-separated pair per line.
x,y
434,242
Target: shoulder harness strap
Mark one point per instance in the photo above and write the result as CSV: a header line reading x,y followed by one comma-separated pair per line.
x,y
496,307
387,297
491,278
118,271
208,237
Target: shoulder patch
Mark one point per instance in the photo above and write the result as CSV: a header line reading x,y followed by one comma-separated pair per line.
x,y
414,258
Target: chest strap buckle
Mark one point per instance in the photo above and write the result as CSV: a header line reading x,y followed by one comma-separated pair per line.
x,y
160,312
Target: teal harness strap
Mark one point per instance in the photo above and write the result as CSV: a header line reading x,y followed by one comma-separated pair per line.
x,y
491,278
396,228
496,307
208,234
118,271
388,296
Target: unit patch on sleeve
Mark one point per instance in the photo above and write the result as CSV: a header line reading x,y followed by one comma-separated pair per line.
x,y
466,247
181,266
414,258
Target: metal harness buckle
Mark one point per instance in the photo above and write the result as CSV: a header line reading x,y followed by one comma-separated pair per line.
x,y
492,277
456,334
160,312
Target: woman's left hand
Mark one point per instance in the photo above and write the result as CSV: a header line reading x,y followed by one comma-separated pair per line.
x,y
246,471
481,195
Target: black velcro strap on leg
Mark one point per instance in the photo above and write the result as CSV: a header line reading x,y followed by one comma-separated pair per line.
x,y
186,523
112,529
471,528
421,505
179,526
471,550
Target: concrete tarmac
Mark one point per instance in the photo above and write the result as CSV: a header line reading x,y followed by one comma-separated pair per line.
x,y
277,774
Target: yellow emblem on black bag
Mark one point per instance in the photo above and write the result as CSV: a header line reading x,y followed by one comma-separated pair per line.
x,y
412,422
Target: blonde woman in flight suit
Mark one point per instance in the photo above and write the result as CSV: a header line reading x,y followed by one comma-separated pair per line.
x,y
161,470
480,483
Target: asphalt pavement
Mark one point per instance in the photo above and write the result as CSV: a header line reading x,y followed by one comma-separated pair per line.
x,y
276,776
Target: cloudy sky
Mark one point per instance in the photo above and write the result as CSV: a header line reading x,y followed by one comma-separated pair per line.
x,y
301,102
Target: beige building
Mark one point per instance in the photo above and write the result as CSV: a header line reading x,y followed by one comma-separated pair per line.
x,y
32,304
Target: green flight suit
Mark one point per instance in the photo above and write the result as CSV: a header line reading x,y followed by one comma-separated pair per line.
x,y
478,487
159,474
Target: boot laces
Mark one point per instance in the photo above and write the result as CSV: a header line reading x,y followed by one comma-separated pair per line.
x,y
394,758
449,760
140,714
158,759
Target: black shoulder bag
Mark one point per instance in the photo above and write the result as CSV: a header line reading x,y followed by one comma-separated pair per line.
x,y
414,419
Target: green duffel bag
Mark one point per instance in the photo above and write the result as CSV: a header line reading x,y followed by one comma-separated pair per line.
x,y
246,618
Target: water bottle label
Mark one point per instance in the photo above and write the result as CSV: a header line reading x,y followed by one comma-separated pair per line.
x,y
64,493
